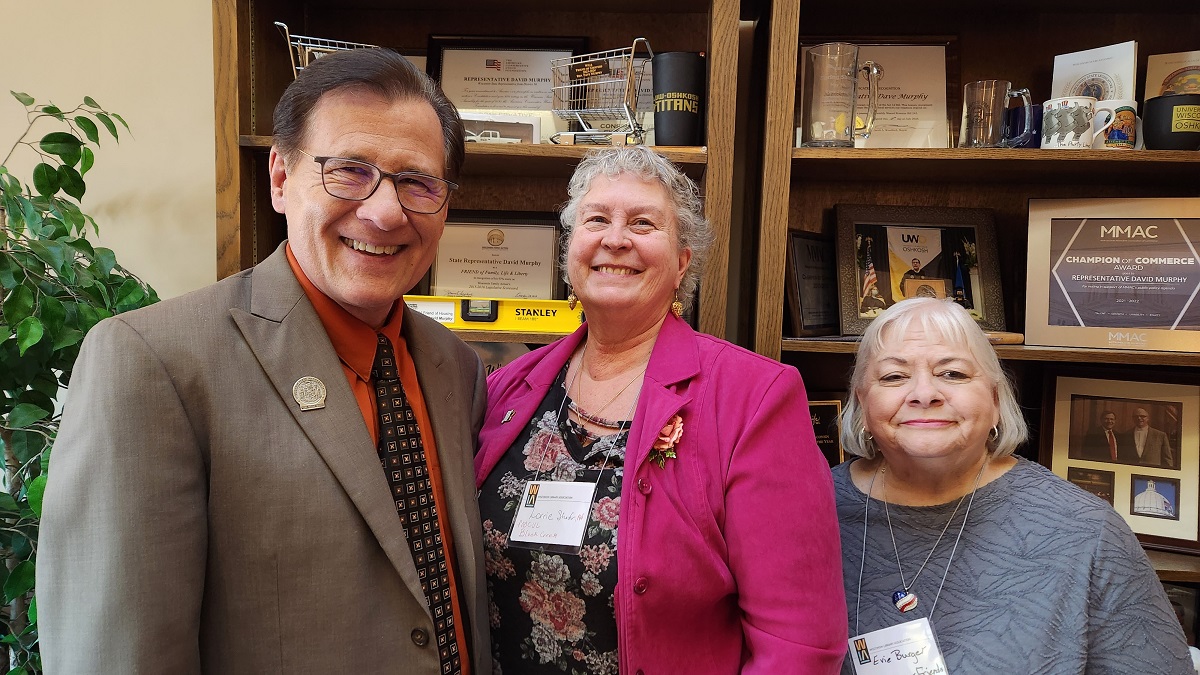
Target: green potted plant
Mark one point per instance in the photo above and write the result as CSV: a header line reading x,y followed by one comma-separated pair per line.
x,y
54,286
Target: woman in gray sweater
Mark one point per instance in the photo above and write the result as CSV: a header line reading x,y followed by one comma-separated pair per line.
x,y
958,555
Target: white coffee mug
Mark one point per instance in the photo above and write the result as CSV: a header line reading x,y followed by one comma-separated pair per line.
x,y
1067,122
1120,129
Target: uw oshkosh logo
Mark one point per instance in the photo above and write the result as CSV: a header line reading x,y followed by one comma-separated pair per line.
x,y
532,498
860,647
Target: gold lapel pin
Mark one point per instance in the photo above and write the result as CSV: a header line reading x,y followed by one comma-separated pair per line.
x,y
309,392
508,416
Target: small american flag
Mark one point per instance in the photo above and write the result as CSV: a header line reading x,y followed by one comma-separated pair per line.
x,y
869,278
494,64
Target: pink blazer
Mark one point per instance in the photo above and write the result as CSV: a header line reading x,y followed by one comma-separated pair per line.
x,y
728,557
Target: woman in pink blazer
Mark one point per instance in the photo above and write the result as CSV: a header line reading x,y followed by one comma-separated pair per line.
x,y
700,455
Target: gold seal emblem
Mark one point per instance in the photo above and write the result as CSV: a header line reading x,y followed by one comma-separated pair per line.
x,y
495,237
309,392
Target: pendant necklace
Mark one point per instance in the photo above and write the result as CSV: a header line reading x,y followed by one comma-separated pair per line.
x,y
904,599
595,417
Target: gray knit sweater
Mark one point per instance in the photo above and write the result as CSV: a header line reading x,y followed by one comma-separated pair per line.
x,y
1047,579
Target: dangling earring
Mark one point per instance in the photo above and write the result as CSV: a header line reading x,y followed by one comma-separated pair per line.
x,y
677,306
994,434
572,300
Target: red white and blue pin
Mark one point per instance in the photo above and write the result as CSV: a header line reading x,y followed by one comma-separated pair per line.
x,y
904,601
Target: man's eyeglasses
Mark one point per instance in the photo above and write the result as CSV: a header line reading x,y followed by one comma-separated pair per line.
x,y
356,181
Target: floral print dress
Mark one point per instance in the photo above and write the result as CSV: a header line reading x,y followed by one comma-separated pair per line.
x,y
553,612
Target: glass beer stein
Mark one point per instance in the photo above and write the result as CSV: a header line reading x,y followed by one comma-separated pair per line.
x,y
830,96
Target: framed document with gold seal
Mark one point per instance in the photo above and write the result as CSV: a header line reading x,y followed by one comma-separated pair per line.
x,y
497,256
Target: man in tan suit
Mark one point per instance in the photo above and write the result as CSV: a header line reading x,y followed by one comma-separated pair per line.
x,y
217,502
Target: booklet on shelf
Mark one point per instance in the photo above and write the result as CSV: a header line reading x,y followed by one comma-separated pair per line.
x,y
1103,73
1177,73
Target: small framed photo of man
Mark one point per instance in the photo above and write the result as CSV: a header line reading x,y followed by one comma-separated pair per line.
x,y
1154,497
1096,481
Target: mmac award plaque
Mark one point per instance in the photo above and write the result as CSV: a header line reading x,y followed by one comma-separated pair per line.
x,y
1115,273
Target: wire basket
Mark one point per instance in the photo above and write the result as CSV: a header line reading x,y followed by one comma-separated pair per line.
x,y
601,87
305,49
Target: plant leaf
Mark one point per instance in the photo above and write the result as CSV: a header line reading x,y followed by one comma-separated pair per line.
x,y
71,182
25,99
63,144
8,504
24,414
35,491
33,611
89,128
18,305
45,179
68,337
106,260
86,162
20,581
121,120
88,100
108,123
29,333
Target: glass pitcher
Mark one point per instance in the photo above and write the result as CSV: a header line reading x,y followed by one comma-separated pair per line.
x,y
829,116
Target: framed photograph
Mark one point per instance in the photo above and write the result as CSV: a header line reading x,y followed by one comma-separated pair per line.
x,y
881,250
919,96
498,73
811,284
827,420
495,128
1184,600
497,255
1133,443
1115,273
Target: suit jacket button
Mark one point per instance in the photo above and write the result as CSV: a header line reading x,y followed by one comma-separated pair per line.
x,y
644,486
640,585
419,637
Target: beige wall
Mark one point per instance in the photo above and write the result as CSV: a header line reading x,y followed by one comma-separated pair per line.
x,y
150,61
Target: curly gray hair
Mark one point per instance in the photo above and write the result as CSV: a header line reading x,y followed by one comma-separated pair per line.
x,y
693,230
953,324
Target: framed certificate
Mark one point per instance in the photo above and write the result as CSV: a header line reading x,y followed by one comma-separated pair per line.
x,y
1115,273
498,73
497,256
811,284
919,93
889,253
1133,443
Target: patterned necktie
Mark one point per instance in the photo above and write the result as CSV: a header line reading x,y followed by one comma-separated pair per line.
x,y
403,459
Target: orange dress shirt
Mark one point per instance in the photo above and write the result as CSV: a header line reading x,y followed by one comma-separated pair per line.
x,y
355,343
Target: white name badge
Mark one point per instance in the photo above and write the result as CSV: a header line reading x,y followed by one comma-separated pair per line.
x,y
552,515
906,649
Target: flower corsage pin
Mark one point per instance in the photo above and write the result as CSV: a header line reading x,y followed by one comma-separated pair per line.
x,y
668,438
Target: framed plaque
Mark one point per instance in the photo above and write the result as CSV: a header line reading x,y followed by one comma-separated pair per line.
x,y
889,253
827,420
919,94
498,73
1133,443
811,284
1115,273
497,257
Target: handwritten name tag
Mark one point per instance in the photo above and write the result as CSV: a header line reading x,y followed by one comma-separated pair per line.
x,y
907,649
552,514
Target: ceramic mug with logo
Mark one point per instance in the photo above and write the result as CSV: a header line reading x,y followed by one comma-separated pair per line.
x,y
1124,131
1172,122
1067,122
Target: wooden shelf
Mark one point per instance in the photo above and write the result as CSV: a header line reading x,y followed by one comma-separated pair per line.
x,y
506,336
970,165
542,159
1175,567
512,6
1025,353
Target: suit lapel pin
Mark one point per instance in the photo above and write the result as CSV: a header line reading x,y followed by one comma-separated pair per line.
x,y
309,392
508,416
